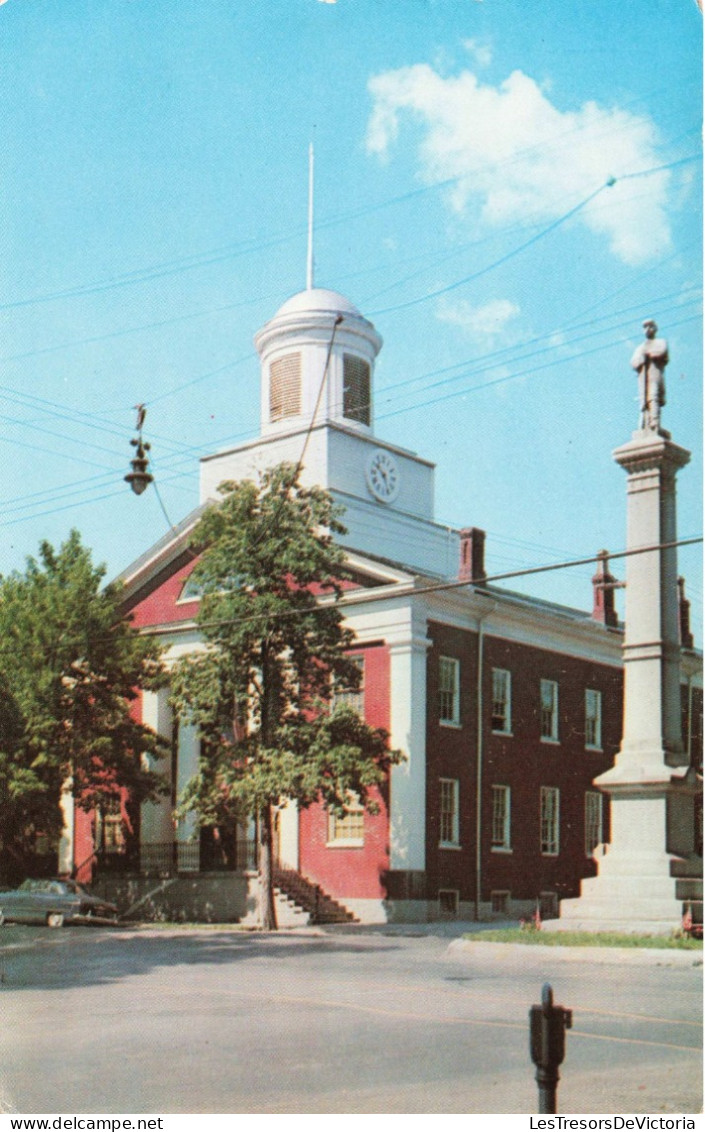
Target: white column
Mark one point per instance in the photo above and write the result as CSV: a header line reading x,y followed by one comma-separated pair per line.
x,y
289,834
156,820
650,867
651,737
188,755
67,840
407,816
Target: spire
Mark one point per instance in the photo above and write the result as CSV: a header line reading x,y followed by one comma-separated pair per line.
x,y
309,261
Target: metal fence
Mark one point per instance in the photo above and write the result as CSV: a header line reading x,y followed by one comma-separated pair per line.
x,y
169,858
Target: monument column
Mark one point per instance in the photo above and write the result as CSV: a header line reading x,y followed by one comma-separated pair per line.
x,y
650,866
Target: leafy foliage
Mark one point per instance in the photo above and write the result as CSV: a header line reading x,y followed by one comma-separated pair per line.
x,y
69,668
270,577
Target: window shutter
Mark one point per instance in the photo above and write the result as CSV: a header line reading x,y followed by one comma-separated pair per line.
x,y
285,387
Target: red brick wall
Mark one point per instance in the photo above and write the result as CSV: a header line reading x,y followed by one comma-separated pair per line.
x,y
521,761
160,605
353,872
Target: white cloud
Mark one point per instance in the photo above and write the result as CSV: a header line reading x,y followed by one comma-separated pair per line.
x,y
486,324
518,157
480,52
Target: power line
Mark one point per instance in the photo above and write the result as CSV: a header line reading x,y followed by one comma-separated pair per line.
x,y
355,597
497,263
544,232
513,376
435,400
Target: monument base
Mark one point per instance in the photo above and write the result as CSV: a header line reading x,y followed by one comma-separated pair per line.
x,y
641,886
647,895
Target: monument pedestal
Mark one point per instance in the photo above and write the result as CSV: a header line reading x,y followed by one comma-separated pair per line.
x,y
650,868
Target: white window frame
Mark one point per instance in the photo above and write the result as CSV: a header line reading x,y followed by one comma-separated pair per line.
x,y
502,698
593,821
593,719
548,723
449,691
347,832
449,815
550,821
501,819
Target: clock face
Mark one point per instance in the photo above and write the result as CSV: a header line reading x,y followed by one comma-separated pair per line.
x,y
383,476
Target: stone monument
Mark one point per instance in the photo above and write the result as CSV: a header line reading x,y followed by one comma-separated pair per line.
x,y
650,867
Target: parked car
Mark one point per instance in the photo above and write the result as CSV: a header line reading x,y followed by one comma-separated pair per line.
x,y
55,903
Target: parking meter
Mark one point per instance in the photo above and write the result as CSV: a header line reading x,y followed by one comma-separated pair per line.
x,y
547,1027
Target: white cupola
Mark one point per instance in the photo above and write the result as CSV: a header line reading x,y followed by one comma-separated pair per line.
x,y
318,350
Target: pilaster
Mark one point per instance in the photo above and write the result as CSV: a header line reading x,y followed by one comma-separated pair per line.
x,y
408,732
156,820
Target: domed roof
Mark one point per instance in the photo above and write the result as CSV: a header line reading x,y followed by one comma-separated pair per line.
x,y
318,300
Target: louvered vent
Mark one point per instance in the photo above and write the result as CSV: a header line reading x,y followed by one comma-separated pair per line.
x,y
356,389
285,387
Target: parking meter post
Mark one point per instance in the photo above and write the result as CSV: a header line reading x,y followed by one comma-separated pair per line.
x,y
547,1027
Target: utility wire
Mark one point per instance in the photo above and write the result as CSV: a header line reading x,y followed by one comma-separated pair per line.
x,y
354,597
503,259
186,457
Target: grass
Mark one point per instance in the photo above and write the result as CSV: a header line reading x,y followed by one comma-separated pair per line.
x,y
584,939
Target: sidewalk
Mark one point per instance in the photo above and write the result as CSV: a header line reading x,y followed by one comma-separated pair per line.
x,y
529,954
466,949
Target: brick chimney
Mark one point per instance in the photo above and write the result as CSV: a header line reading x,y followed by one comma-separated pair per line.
x,y
472,555
603,587
687,641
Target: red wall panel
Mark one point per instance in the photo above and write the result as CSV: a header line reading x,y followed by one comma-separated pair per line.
x,y
353,872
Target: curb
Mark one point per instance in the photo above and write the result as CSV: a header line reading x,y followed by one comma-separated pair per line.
x,y
631,956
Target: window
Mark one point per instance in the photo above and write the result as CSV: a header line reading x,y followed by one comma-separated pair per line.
x,y
348,830
285,387
550,806
593,718
500,901
191,590
356,389
109,827
449,690
548,905
449,827
501,700
549,710
356,699
501,817
448,901
593,821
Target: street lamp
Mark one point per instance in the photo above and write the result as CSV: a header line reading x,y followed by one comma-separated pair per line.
x,y
139,478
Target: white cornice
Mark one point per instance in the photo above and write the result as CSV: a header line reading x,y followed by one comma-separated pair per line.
x,y
304,430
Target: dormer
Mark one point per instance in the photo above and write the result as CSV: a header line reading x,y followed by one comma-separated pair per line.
x,y
314,327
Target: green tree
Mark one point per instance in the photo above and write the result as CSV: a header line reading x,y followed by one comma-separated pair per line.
x,y
70,665
270,578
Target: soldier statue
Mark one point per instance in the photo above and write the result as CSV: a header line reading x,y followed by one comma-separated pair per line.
x,y
650,360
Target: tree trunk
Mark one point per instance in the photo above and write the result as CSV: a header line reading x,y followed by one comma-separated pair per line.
x,y
268,911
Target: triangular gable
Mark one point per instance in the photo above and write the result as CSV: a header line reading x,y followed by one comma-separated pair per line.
x,y
155,585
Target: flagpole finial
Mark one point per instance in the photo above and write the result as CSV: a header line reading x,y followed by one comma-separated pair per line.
x,y
309,261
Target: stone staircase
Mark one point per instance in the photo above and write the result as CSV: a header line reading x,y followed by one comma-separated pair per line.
x,y
294,890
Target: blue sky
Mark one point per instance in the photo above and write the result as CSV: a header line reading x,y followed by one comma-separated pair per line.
x,y
153,216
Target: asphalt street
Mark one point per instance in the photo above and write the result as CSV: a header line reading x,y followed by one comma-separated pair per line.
x,y
352,1020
